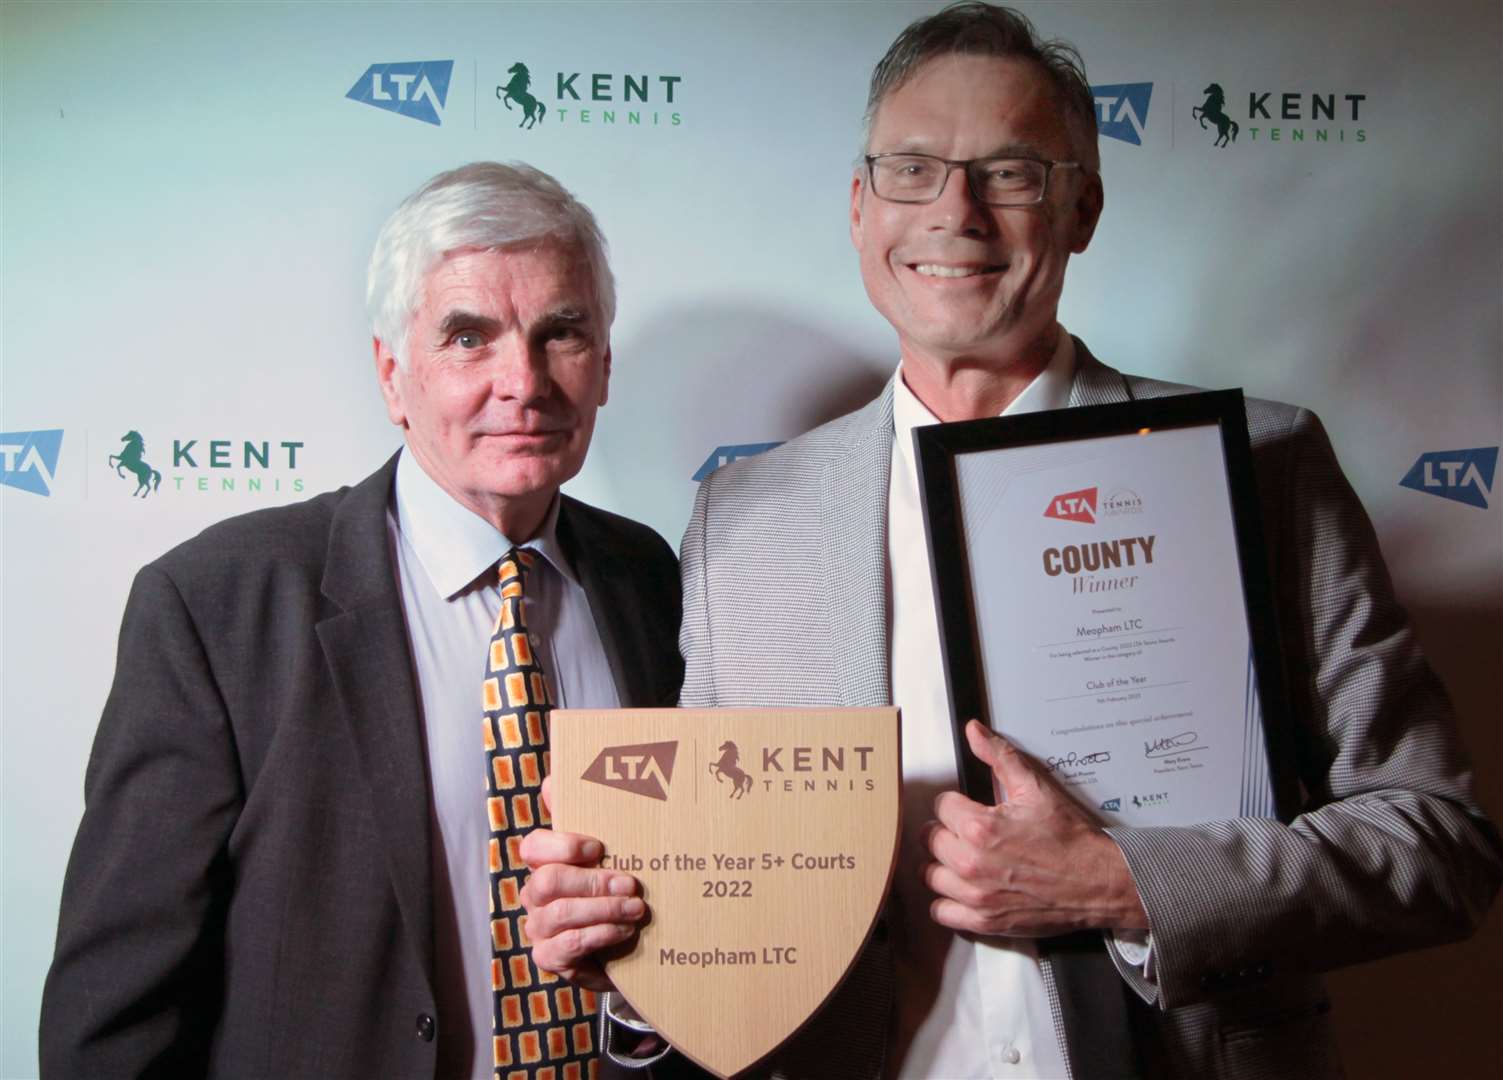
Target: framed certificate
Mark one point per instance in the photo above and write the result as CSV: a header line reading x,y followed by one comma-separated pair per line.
x,y
1104,602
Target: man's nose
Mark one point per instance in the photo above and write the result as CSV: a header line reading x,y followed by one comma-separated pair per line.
x,y
519,371
956,208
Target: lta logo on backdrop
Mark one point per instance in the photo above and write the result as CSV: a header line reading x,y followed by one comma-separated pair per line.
x,y
418,89
1122,110
724,455
1464,476
1293,116
28,459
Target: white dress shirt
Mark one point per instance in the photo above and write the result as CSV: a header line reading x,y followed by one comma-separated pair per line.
x,y
445,558
967,1007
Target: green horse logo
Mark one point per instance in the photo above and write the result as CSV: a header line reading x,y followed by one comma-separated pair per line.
x,y
516,90
132,457
1214,110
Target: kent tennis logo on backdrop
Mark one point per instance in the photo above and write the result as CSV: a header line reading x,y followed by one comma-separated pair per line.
x,y
28,459
576,98
1464,476
1122,110
144,466
417,89
1239,116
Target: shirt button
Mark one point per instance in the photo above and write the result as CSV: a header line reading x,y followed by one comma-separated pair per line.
x,y
425,1027
1011,1055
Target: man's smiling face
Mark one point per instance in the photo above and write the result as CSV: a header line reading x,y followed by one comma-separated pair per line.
x,y
956,278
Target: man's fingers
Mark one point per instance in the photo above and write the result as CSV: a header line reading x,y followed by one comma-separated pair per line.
x,y
549,846
1016,775
561,917
946,883
547,795
964,817
957,916
567,953
555,881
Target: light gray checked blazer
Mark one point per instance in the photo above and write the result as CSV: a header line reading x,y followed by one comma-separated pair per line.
x,y
1391,851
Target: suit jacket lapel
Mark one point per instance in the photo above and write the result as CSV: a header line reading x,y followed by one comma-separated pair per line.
x,y
607,589
1094,382
853,533
371,666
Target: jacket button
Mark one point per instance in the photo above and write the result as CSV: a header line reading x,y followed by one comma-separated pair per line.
x,y
425,1027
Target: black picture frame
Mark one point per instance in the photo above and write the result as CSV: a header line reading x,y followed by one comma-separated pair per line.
x,y
939,446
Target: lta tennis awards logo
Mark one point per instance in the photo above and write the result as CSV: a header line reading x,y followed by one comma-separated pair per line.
x,y
1464,476
1122,110
1074,506
642,769
417,89
28,459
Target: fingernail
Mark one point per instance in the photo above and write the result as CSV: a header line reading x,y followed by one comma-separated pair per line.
x,y
633,908
621,886
592,849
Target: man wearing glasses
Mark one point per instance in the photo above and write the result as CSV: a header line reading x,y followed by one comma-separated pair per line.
x,y
807,582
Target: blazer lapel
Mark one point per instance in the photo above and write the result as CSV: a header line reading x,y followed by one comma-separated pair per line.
x,y
1094,382
371,666
610,598
853,535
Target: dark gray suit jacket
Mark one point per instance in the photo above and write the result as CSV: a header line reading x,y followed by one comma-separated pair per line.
x,y
249,894
1389,853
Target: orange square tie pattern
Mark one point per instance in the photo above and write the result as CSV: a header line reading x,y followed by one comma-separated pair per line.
x,y
536,1034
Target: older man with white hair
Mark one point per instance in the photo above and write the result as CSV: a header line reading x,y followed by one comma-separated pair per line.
x,y
288,865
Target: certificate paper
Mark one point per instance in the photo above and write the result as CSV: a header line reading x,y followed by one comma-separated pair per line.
x,y
1106,626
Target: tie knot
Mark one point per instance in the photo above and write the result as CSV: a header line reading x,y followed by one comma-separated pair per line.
x,y
511,572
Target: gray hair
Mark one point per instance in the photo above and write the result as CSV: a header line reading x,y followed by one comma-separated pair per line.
x,y
976,29
483,205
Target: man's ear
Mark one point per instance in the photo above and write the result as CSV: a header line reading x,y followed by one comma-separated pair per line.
x,y
389,375
857,190
1088,206
605,375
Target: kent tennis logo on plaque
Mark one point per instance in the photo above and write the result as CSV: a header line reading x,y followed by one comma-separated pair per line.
x,y
764,858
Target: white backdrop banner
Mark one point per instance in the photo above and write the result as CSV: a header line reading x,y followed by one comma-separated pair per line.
x,y
1302,200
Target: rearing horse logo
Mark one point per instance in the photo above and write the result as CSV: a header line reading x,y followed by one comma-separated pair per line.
x,y
727,769
516,90
131,457
1214,110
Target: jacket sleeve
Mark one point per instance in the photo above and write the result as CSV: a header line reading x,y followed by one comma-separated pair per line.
x,y
1390,851
134,984
694,634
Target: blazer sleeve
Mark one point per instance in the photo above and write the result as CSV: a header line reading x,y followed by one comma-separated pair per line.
x,y
694,633
134,984
1391,851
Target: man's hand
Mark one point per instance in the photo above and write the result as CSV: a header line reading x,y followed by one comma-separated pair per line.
x,y
575,909
1035,865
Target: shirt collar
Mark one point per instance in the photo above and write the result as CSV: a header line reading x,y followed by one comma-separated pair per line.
x,y
454,544
1050,389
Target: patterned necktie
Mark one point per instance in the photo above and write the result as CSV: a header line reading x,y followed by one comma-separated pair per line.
x,y
541,1026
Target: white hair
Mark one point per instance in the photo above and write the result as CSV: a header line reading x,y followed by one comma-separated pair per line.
x,y
484,205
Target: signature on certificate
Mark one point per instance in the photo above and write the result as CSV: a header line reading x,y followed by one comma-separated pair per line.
x,y
1182,743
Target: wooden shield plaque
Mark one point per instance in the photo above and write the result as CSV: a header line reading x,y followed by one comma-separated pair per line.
x,y
764,840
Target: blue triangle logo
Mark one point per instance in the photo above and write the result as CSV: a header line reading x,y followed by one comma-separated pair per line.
x,y
1464,476
415,88
1122,110
724,455
28,459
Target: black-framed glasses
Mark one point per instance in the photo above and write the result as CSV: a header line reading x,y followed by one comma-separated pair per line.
x,y
995,181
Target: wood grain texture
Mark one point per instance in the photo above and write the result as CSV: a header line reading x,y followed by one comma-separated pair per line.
x,y
765,841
